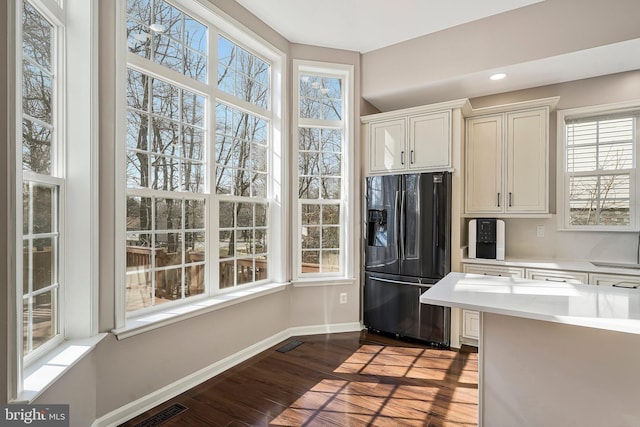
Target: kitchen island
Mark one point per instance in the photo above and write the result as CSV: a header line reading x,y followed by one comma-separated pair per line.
x,y
551,353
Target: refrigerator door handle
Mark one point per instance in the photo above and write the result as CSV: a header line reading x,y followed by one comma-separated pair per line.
x,y
403,225
398,282
435,256
395,224
436,203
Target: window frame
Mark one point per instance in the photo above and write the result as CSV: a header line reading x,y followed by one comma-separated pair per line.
x,y
56,177
218,25
563,176
75,174
348,165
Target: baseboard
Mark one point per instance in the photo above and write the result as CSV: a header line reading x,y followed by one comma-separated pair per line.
x,y
135,408
325,329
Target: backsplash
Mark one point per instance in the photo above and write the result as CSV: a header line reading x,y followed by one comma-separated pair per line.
x,y
522,242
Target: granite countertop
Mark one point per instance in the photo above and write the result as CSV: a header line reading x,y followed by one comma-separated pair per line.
x,y
601,307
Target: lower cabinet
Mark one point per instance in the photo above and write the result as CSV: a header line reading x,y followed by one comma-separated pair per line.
x,y
470,324
558,276
470,318
618,280
470,330
493,270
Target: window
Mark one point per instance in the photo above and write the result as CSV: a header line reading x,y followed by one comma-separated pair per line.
x,y
242,165
323,169
199,143
56,264
599,170
165,143
42,182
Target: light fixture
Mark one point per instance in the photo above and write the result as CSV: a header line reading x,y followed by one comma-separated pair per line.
x,y
158,28
498,76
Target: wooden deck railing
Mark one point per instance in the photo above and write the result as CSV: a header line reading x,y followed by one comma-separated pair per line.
x,y
168,280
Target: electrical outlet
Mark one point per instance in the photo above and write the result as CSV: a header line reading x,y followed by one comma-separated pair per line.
x,y
343,298
540,231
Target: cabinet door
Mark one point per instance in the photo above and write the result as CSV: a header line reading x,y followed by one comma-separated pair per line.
x,y
614,279
527,164
493,270
387,146
615,306
558,276
470,324
484,165
430,141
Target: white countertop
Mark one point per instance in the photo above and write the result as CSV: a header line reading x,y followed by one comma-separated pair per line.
x,y
602,307
560,264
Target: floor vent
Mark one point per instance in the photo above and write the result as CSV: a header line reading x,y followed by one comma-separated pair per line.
x,y
289,346
162,416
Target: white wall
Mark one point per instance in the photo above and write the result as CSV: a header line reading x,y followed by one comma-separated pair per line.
x,y
78,388
134,367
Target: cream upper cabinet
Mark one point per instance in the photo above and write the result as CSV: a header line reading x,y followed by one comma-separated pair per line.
x,y
527,161
412,140
387,142
507,163
430,141
484,164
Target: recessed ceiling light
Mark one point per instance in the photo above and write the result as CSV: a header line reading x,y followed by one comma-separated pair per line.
x,y
498,76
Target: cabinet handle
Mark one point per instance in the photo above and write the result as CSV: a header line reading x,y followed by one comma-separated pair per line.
x,y
556,280
498,199
510,197
623,285
402,157
412,159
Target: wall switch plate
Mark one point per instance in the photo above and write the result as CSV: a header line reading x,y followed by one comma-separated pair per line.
x,y
540,231
343,298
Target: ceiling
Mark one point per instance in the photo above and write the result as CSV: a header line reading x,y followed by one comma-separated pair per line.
x,y
366,25
378,28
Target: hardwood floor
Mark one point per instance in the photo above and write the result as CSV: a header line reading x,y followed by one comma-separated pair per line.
x,y
346,379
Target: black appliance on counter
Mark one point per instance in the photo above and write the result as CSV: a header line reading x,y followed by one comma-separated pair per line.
x,y
407,250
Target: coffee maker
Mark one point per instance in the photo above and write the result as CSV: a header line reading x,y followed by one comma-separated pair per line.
x,y
486,238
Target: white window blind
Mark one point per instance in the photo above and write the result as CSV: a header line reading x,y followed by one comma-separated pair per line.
x,y
600,166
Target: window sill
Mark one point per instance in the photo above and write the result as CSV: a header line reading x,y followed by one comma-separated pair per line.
x,y
337,281
46,370
148,322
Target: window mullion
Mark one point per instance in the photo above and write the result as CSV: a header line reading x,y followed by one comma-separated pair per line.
x,y
155,70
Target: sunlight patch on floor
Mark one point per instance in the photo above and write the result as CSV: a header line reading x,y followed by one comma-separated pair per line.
x,y
376,403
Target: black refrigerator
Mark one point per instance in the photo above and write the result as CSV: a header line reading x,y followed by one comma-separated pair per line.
x,y
407,250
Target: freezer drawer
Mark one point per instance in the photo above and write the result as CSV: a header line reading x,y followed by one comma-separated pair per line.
x,y
393,305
